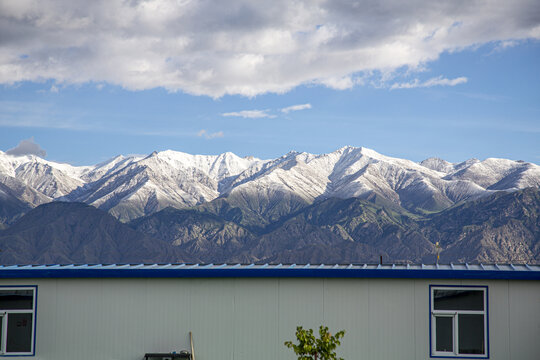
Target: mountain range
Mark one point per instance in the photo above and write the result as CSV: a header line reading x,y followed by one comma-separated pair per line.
x,y
351,205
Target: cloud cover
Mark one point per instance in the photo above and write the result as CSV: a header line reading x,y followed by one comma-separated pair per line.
x,y
248,114
438,81
243,47
27,147
298,107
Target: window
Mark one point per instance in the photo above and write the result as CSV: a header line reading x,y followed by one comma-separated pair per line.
x,y
17,320
459,321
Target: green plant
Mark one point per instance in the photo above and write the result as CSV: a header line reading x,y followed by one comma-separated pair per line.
x,y
311,348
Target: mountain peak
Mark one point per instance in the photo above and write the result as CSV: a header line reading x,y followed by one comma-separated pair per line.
x,y
153,154
370,152
345,148
437,164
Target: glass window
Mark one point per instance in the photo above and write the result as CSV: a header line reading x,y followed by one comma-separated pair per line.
x,y
16,299
458,300
445,329
458,321
19,333
17,314
471,334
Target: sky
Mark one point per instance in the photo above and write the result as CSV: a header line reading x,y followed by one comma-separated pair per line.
x,y
81,82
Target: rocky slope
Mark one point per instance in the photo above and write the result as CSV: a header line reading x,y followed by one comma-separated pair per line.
x,y
206,237
502,227
64,233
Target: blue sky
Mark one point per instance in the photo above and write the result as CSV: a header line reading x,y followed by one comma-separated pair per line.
x,y
465,96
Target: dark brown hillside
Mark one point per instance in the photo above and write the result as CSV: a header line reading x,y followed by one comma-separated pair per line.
x,y
58,232
504,227
208,237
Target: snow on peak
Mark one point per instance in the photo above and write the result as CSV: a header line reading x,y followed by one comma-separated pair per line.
x,y
173,178
217,167
438,164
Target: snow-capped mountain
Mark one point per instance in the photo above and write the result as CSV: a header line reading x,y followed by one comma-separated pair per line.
x,y
159,180
108,167
360,172
133,186
49,179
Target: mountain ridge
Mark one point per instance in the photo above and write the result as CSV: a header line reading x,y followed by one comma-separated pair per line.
x,y
266,190
503,227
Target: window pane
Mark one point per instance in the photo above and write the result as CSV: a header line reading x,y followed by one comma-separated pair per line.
x,y
16,299
19,333
449,299
471,334
443,331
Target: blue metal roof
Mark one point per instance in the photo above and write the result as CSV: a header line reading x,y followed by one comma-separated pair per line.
x,y
401,271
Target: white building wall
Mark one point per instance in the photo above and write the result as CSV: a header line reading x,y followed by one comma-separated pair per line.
x,y
524,320
249,319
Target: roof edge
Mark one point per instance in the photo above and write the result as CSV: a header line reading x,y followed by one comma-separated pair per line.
x,y
480,272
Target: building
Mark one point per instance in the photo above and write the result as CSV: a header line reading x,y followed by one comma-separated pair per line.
x,y
247,312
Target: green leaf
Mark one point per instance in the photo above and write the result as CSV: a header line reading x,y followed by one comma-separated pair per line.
x,y
309,347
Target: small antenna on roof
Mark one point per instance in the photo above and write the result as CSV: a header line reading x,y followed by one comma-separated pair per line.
x,y
381,260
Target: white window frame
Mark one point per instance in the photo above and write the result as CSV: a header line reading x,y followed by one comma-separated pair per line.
x,y
4,322
454,314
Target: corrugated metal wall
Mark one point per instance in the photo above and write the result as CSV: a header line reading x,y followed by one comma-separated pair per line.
x,y
249,319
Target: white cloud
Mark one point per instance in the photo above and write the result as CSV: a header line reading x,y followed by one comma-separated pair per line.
x,y
438,81
258,114
338,83
236,47
248,114
27,147
207,135
288,109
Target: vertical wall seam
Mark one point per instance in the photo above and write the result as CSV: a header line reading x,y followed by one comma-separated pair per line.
x,y
55,339
414,319
235,331
370,347
508,322
189,307
323,308
278,309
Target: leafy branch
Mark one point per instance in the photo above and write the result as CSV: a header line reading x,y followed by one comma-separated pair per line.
x,y
311,348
